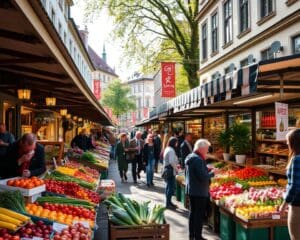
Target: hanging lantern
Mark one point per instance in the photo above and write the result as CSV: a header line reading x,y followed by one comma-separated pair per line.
x,y
68,116
24,94
63,112
80,119
50,101
74,118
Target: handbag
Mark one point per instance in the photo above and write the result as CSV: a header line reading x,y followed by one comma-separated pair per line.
x,y
167,173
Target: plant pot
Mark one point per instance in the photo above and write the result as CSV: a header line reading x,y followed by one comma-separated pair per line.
x,y
226,156
241,159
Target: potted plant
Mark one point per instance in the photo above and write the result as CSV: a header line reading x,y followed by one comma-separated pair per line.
x,y
240,141
225,141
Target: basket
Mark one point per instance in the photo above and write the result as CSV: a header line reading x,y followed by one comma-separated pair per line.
x,y
152,231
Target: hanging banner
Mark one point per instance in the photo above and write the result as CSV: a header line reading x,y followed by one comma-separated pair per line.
x,y
145,113
133,116
97,89
168,79
282,120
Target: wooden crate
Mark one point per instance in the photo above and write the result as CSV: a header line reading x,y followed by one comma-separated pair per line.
x,y
153,231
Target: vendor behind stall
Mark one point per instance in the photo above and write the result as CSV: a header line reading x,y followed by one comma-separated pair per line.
x,y
24,157
82,141
6,138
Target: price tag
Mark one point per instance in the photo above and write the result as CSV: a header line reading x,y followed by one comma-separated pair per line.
x,y
238,185
26,238
84,223
276,216
37,238
58,227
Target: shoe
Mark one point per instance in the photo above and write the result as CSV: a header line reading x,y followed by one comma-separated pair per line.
x,y
152,184
148,185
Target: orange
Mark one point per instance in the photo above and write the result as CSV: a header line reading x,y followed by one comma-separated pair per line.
x,y
30,185
10,182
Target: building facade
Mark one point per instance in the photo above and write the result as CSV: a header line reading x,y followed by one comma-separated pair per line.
x,y
59,12
234,34
142,87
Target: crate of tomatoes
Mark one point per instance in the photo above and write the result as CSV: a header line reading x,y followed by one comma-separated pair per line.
x,y
27,186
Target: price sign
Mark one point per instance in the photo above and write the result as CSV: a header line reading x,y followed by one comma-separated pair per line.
x,y
275,216
238,185
58,227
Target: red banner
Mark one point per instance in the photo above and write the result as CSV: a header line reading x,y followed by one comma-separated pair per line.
x,y
97,89
168,79
133,115
145,112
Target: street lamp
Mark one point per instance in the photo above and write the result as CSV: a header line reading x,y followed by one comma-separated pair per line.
x,y
24,94
63,112
50,101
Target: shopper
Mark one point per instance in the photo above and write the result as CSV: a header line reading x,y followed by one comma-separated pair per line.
x,y
186,148
292,197
149,158
120,154
157,143
6,138
170,163
136,144
82,141
25,158
197,187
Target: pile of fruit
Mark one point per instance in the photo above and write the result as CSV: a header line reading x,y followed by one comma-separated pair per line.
x,y
11,220
225,189
125,211
90,171
38,229
77,173
254,212
72,189
27,183
75,232
262,183
249,173
56,215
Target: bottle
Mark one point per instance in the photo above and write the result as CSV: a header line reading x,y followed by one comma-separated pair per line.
x,y
281,126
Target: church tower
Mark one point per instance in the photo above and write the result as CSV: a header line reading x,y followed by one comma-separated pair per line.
x,y
104,53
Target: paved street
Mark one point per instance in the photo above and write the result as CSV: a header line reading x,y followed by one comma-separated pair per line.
x,y
178,219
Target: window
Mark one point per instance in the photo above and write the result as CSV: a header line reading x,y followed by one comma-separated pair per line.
x,y
74,53
296,44
204,41
244,15
226,70
140,88
65,38
66,10
244,62
266,8
61,4
139,102
53,16
147,103
227,21
266,54
214,34
70,46
59,29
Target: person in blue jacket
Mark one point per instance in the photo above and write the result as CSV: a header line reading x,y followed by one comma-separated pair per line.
x,y
197,187
292,196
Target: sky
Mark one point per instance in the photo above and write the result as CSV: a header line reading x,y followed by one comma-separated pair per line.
x,y
99,34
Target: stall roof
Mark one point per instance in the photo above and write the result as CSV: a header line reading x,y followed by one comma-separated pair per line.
x,y
32,54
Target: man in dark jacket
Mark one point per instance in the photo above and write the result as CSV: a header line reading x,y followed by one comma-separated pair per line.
x,y
197,187
186,148
24,158
157,147
6,138
82,141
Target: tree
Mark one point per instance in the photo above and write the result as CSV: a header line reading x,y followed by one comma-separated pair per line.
x,y
116,97
143,25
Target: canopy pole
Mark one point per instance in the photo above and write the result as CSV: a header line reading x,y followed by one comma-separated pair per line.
x,y
281,86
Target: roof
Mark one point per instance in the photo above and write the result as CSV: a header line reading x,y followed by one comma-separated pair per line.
x,y
99,63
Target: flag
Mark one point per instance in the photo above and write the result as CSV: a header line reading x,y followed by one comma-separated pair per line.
x,y
97,89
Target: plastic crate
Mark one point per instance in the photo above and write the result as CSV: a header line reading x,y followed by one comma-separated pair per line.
x,y
227,227
281,233
242,233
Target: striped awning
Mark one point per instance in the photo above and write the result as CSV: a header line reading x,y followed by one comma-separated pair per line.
x,y
243,79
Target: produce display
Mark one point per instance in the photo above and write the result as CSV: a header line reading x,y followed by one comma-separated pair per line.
x,y
75,165
11,220
75,232
77,173
249,173
12,200
125,211
226,189
65,201
72,189
38,229
25,182
256,212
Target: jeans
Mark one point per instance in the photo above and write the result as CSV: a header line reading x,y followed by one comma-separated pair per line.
x,y
150,170
170,189
198,207
135,166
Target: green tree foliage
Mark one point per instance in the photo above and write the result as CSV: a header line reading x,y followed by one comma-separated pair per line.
x,y
116,97
152,28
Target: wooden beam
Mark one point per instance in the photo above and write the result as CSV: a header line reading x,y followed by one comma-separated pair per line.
x,y
277,82
19,36
20,54
4,62
280,71
36,71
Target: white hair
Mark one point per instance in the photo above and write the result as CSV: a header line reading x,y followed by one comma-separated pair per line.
x,y
138,132
201,143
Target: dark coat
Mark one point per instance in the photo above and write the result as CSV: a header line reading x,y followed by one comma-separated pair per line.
x,y
121,156
37,164
146,153
184,152
157,143
197,176
82,141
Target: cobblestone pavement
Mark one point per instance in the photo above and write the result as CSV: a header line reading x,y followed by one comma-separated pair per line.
x,y
178,219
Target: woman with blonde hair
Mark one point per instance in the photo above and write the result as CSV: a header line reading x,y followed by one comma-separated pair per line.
x,y
292,196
